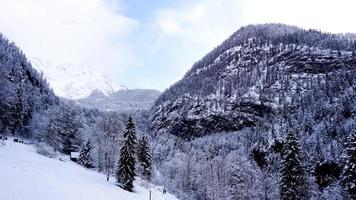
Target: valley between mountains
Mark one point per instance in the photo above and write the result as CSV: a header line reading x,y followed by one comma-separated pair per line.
x,y
268,114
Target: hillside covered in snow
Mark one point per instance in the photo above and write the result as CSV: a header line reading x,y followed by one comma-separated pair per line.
x,y
268,114
28,175
255,73
237,111
74,81
124,100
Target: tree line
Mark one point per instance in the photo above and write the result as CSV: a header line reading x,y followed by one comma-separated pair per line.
x,y
134,157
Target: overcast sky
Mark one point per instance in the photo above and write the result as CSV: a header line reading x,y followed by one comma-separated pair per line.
x,y
148,43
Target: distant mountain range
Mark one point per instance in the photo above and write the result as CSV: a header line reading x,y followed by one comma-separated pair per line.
x,y
270,99
75,81
123,100
92,89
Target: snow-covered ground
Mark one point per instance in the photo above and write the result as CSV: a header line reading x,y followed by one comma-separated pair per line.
x,y
24,174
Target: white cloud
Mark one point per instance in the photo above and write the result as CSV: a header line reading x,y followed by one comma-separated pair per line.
x,y
76,31
212,21
194,28
207,22
326,15
159,50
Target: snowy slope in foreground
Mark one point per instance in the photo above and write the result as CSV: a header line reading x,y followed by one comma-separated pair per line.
x,y
24,174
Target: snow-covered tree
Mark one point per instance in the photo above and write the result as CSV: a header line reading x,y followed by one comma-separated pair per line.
x,y
293,178
70,126
23,90
19,110
107,140
333,191
125,173
45,129
60,127
7,94
85,156
144,158
242,178
349,172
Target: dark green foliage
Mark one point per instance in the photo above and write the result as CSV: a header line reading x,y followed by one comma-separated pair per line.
x,y
144,158
293,181
349,173
125,173
85,158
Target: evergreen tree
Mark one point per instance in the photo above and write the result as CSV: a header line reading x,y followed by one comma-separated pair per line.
x,y
349,173
144,157
19,111
333,191
125,172
60,127
70,133
293,181
69,129
237,182
318,154
85,158
7,94
50,135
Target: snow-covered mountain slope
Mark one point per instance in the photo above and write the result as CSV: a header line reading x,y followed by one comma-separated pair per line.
x,y
255,73
28,175
122,100
74,81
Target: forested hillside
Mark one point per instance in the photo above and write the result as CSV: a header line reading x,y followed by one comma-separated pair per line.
x,y
23,91
258,70
268,114
31,111
221,130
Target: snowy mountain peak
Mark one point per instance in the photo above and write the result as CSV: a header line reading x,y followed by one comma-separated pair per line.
x,y
75,81
122,100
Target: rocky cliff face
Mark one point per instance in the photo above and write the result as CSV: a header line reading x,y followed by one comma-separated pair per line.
x,y
255,74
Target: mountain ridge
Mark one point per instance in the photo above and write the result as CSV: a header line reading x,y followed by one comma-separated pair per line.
x,y
257,60
232,111
125,100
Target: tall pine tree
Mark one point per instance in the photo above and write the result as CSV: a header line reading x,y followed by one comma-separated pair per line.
x,y
85,158
125,173
69,125
19,110
293,181
349,173
144,158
